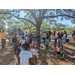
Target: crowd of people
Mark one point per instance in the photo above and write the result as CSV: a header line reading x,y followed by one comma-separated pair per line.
x,y
25,49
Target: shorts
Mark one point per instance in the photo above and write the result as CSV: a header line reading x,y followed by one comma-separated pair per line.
x,y
16,60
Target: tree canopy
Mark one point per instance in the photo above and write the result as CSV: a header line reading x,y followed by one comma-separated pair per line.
x,y
37,16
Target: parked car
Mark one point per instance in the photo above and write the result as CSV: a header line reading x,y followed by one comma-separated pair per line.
x,y
69,33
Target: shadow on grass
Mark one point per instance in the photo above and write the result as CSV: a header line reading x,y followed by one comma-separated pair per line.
x,y
43,57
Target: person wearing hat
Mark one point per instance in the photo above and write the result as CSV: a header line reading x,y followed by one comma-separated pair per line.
x,y
3,38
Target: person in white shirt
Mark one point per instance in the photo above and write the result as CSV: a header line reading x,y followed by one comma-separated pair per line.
x,y
64,37
26,33
25,55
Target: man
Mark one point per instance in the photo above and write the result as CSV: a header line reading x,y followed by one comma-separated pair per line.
x,y
3,38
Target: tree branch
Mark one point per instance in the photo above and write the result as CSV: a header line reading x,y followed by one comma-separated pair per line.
x,y
58,16
31,11
18,17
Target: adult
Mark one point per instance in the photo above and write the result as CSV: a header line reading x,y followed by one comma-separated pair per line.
x,y
3,38
23,35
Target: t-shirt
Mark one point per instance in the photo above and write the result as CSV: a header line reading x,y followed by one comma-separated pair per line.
x,y
3,35
39,40
59,41
17,48
64,35
23,36
23,41
62,39
24,57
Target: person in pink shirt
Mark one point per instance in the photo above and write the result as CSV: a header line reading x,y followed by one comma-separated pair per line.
x,y
22,41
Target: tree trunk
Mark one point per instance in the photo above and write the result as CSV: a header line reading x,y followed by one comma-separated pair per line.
x,y
38,29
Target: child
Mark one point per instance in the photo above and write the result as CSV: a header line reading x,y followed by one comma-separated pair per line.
x,y
59,44
25,56
16,52
47,42
22,41
39,41
55,44
34,47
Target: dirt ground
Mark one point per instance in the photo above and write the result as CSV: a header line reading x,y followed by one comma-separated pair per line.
x,y
45,57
